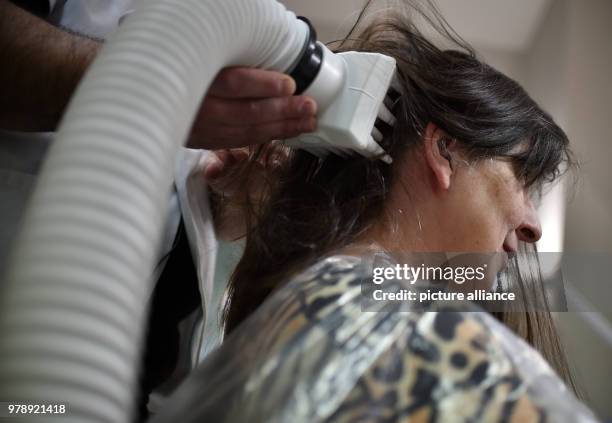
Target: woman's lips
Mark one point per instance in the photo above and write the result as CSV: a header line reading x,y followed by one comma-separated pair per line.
x,y
504,260
508,248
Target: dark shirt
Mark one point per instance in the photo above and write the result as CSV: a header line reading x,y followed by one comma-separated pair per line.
x,y
176,296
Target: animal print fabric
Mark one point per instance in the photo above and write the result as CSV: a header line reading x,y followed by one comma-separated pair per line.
x,y
310,354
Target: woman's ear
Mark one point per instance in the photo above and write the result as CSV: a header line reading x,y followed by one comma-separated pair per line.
x,y
437,149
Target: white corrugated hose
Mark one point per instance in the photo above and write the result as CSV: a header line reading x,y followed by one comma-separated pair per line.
x,y
73,303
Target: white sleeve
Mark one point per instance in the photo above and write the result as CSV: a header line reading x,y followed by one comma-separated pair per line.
x,y
197,218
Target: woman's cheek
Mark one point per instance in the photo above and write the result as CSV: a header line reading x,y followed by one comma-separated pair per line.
x,y
480,229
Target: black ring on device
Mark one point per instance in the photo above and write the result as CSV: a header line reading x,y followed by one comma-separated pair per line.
x,y
310,62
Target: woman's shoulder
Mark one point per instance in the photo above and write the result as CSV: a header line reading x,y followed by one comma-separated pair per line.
x,y
434,362
345,270
310,353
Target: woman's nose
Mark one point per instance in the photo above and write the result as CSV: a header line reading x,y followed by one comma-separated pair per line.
x,y
530,229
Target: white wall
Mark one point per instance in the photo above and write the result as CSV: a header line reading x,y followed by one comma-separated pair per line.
x,y
567,70
590,94
589,215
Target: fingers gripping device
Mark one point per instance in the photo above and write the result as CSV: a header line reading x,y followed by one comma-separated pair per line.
x,y
350,89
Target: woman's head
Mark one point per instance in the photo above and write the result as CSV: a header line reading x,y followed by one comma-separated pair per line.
x,y
469,147
442,200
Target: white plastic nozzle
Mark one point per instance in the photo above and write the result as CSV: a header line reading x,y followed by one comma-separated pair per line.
x,y
350,89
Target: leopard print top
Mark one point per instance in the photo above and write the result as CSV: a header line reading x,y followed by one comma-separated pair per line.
x,y
310,354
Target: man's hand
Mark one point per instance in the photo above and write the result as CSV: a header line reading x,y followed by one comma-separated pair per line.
x,y
246,106
42,65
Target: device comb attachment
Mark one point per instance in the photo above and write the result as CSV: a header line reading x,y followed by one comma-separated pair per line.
x,y
351,91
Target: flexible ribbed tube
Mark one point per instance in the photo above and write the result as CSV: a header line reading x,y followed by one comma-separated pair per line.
x,y
74,299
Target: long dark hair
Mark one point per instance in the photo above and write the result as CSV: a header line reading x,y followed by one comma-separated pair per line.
x,y
315,206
